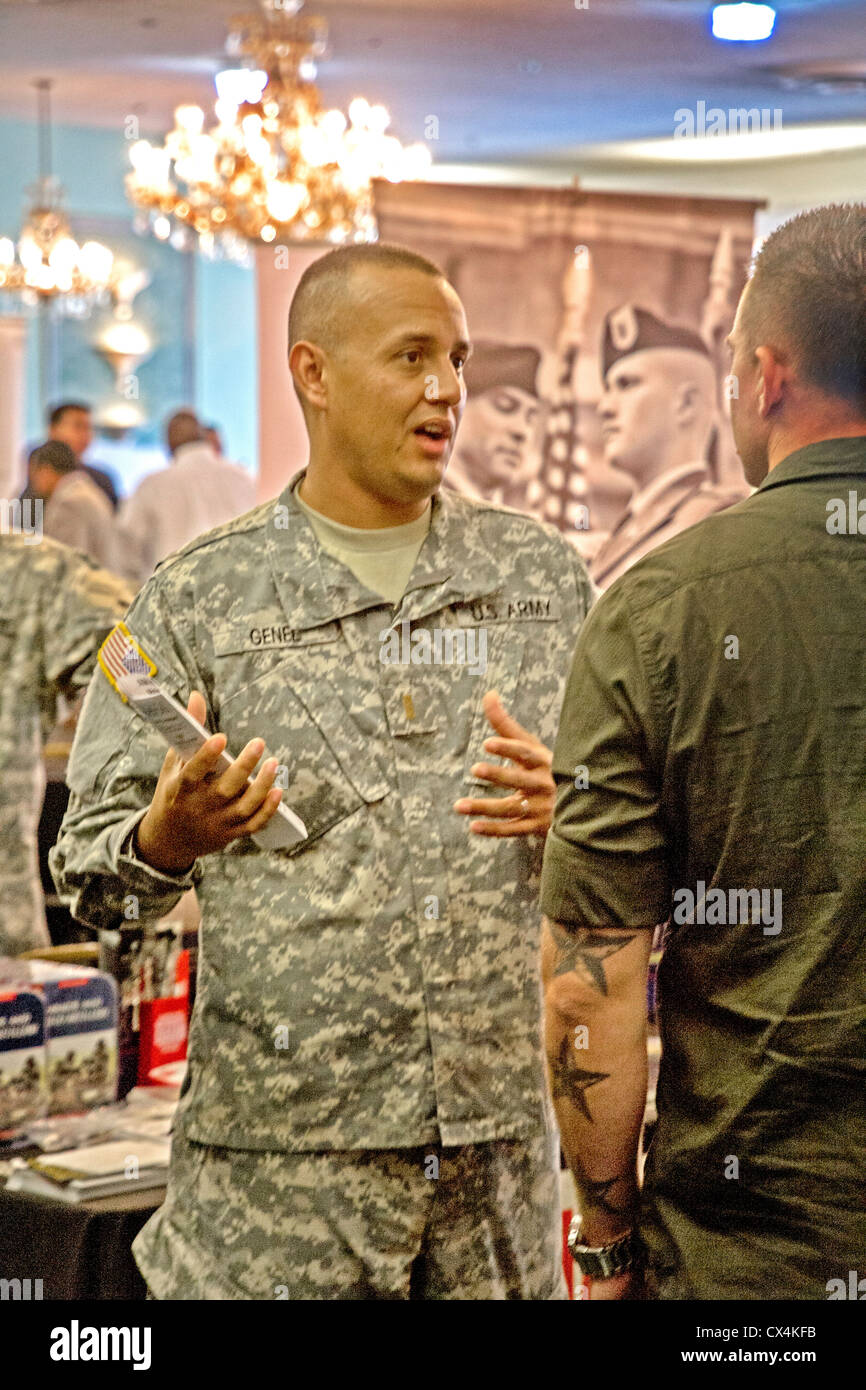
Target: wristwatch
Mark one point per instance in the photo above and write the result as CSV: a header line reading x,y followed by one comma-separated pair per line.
x,y
603,1261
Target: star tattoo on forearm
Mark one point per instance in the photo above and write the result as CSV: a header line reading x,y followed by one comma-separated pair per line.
x,y
584,951
594,1191
571,1081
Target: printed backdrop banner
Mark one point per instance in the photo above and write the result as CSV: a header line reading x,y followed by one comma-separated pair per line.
x,y
597,389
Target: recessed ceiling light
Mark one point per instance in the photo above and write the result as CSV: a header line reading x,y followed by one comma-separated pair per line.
x,y
743,23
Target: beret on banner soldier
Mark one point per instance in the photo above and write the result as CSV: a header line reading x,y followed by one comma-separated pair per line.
x,y
630,329
501,364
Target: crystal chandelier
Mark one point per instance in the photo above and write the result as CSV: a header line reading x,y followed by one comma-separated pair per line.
x,y
50,264
275,164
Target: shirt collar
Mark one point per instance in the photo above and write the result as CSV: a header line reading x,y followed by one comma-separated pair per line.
x,y
74,481
373,541
195,450
824,459
455,563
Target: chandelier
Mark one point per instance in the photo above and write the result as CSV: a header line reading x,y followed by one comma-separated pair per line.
x,y
48,263
275,164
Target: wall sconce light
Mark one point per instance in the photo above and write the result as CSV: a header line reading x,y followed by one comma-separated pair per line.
x,y
124,346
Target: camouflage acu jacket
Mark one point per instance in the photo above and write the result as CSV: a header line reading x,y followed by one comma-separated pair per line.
x,y
377,985
56,608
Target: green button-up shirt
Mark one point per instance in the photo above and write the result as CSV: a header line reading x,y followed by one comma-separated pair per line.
x,y
713,737
377,985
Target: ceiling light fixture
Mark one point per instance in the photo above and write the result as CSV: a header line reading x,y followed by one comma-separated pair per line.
x,y
743,23
48,263
275,164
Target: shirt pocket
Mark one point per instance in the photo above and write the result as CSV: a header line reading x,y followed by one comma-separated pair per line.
x,y
529,647
329,768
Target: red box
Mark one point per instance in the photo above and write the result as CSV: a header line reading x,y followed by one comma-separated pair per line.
x,y
162,1034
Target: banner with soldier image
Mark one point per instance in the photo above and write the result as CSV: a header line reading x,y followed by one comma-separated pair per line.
x,y
597,387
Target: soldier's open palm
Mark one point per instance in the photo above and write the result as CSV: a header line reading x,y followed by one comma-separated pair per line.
x,y
199,807
529,810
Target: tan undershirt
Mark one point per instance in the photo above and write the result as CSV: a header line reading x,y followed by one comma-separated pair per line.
x,y
382,559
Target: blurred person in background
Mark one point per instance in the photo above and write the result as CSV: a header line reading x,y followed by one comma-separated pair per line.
x,y
196,492
58,607
76,512
71,423
213,437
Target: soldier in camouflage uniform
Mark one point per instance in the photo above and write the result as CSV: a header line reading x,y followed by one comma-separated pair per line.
x,y
57,607
365,1112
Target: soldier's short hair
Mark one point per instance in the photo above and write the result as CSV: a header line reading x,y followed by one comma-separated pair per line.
x,y
57,412
314,313
54,454
808,292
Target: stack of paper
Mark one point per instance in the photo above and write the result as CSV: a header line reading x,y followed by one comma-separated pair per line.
x,y
79,1175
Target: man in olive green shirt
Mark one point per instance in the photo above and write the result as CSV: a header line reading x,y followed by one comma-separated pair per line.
x,y
711,773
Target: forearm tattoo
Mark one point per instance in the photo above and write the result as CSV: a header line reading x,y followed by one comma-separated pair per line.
x,y
571,1081
584,950
595,1192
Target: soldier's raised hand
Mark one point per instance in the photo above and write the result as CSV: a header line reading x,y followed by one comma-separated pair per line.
x,y
199,807
529,810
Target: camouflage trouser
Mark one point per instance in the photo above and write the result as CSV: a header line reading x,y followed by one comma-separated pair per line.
x,y
238,1224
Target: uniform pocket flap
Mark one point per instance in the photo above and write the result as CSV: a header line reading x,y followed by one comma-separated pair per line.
x,y
349,746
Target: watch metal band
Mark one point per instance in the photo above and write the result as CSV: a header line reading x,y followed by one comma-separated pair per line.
x,y
603,1261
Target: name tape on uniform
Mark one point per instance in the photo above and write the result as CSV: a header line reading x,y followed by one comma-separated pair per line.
x,y
268,636
498,609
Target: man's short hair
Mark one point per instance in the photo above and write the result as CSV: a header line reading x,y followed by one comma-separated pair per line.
x,y
314,314
183,427
57,412
54,454
808,292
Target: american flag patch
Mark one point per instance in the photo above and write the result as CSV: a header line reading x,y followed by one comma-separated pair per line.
x,y
120,655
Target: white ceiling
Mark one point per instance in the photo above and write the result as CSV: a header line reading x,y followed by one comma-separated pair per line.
x,y
511,81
